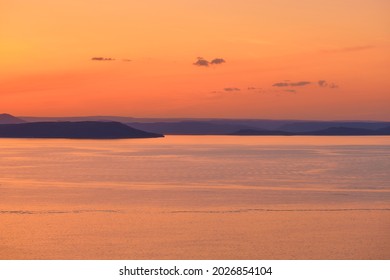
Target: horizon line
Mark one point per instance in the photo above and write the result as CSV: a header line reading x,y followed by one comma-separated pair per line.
x,y
209,118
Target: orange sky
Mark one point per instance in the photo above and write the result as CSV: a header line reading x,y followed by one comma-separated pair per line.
x,y
270,48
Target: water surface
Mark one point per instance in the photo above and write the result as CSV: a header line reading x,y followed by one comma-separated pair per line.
x,y
216,197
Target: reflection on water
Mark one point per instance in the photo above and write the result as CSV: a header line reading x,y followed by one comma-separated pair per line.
x,y
344,165
171,178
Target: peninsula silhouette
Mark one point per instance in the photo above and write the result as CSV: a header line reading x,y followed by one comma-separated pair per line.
x,y
73,130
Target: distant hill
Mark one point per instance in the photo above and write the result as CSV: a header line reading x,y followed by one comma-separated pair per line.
x,y
331,131
9,119
308,126
253,132
257,127
79,119
384,130
342,131
73,130
189,127
214,126
239,123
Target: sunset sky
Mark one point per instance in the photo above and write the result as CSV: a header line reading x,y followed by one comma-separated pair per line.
x,y
280,59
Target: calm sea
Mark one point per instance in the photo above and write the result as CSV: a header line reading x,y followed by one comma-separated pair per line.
x,y
106,194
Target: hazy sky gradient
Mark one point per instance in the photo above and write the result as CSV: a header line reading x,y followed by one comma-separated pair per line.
x,y
271,49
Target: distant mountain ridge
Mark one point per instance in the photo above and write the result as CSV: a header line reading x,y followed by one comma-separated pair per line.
x,y
384,130
189,127
79,119
284,125
9,119
214,126
332,131
308,126
342,131
262,127
249,132
73,130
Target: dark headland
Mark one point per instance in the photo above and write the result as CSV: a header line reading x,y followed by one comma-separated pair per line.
x,y
73,130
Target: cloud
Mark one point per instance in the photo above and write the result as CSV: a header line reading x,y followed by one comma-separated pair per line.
x,y
350,49
202,62
281,85
324,84
300,84
231,89
291,90
205,63
102,58
297,84
218,61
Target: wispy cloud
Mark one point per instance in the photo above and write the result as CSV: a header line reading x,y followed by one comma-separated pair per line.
x,y
231,89
300,84
324,84
320,83
349,49
296,84
102,58
281,85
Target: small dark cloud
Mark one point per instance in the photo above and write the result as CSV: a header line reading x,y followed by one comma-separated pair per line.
x,y
231,89
205,63
297,84
102,58
291,90
126,60
201,62
252,88
300,84
281,85
218,61
322,83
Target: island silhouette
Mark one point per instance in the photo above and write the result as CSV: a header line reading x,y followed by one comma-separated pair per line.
x,y
74,130
114,127
331,131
